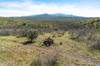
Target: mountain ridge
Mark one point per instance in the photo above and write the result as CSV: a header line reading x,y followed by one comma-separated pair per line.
x,y
55,15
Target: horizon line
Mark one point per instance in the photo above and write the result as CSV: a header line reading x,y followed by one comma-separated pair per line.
x,y
63,14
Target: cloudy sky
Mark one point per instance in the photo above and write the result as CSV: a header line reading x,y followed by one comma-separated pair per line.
x,y
87,8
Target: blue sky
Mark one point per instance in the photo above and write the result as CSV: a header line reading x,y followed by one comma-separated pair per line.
x,y
87,8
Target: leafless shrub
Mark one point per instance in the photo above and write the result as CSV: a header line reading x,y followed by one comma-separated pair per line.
x,y
46,59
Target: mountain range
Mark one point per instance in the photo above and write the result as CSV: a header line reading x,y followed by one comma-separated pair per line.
x,y
54,15
57,16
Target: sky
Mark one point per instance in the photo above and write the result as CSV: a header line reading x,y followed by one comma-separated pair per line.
x,y
86,8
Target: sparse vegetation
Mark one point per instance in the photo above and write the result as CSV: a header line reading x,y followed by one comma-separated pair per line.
x,y
68,42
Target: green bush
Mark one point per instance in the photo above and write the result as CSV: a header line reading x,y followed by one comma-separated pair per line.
x,y
32,35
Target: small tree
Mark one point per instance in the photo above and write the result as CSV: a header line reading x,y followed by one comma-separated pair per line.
x,y
32,35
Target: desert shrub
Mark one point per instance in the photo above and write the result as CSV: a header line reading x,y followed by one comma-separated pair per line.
x,y
75,37
46,59
85,34
96,46
48,62
32,35
4,32
21,32
95,42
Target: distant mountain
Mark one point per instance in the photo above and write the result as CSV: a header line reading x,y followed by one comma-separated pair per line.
x,y
56,17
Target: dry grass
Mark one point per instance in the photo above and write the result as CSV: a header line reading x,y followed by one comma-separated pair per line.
x,y
69,53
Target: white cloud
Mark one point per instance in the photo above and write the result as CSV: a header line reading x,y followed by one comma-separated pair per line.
x,y
30,8
9,13
87,12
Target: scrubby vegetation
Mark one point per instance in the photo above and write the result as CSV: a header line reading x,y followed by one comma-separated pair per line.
x,y
30,36
49,42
